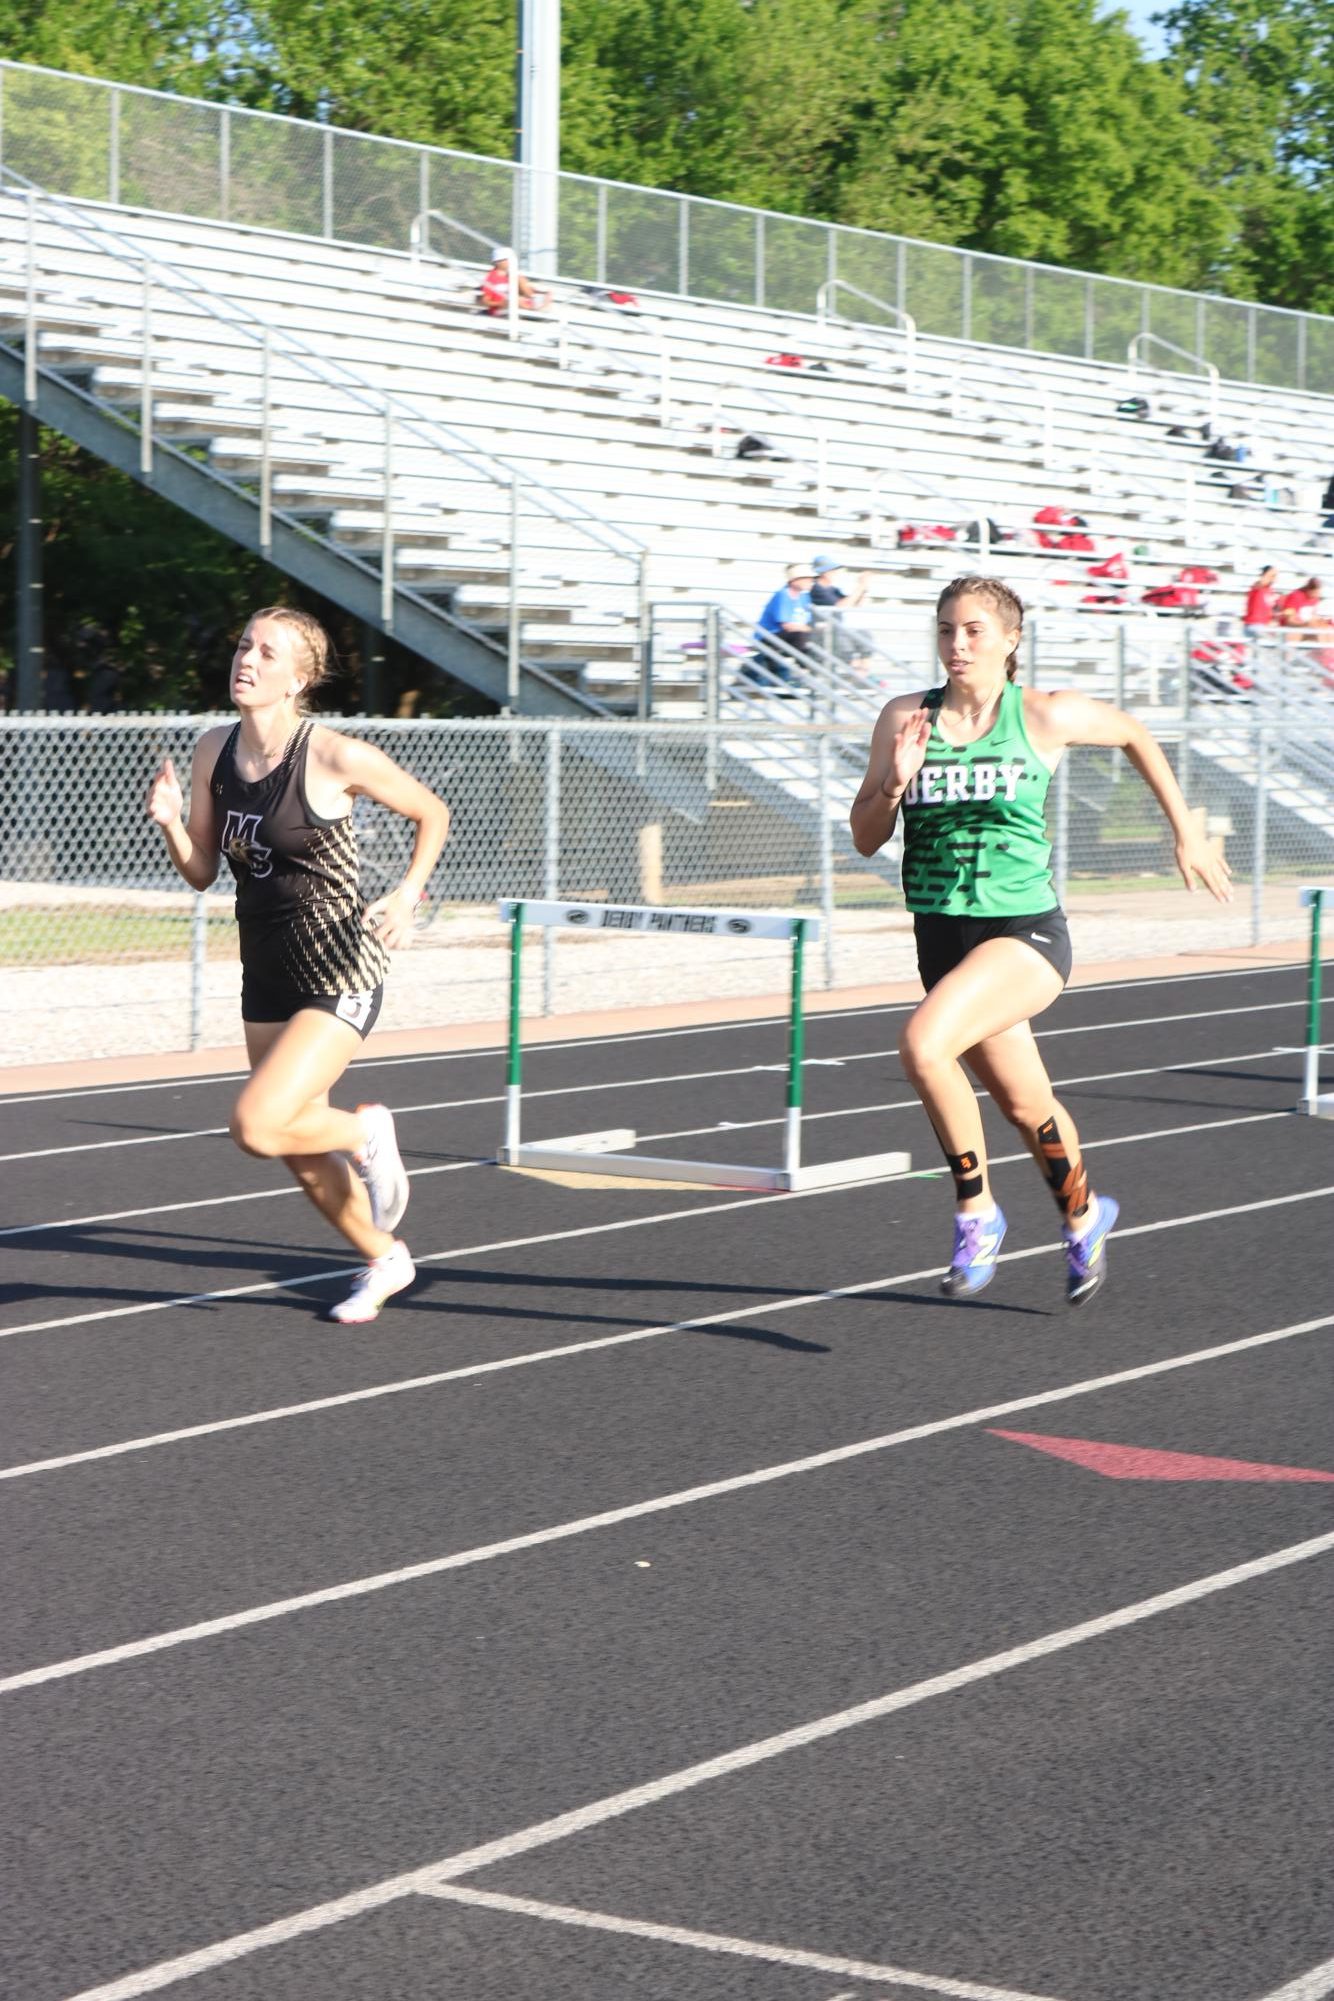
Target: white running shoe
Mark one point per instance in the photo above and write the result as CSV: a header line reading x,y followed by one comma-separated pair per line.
x,y
382,1278
381,1168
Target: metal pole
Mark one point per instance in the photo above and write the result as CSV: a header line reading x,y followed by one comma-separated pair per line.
x,y
821,470
796,1051
327,182
683,249
512,662
1061,843
113,165
1183,761
510,1144
551,866
29,648
645,708
225,164
265,449
1311,1075
30,310
146,382
602,233
1258,855
387,526
665,388
826,862
198,949
1120,693
712,664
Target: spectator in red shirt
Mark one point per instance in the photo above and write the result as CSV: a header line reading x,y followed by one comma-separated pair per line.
x,y
1261,600
494,291
1301,607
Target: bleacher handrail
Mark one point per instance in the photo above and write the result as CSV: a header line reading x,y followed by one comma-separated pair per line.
x,y
824,315
1206,367
419,234
334,374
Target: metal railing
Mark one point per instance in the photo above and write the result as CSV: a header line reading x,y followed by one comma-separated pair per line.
x,y
94,916
1206,367
148,149
832,286
138,294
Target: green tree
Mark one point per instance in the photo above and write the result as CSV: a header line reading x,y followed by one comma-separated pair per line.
x,y
1259,77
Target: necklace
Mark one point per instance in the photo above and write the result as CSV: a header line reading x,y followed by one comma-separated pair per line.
x,y
971,715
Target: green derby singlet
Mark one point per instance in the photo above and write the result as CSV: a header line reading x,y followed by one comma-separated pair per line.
x,y
974,821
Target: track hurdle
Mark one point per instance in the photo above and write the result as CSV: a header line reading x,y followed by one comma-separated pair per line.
x,y
607,1153
1311,1100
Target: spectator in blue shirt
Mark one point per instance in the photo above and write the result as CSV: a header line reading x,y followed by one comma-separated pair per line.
x,y
787,616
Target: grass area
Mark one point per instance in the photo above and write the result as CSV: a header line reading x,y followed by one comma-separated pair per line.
x,y
86,935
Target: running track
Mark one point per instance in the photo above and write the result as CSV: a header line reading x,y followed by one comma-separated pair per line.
x,y
648,1607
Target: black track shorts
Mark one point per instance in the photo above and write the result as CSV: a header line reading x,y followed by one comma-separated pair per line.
x,y
276,1000
942,942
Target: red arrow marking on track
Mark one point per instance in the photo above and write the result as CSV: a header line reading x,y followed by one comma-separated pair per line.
x,y
1137,1462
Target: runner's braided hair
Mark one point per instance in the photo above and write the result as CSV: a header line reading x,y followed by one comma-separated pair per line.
x,y
315,644
1003,601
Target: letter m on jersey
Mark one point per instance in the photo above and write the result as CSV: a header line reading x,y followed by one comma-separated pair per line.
x,y
240,845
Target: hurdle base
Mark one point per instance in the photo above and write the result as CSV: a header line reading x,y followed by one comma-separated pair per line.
x,y
1318,1108
605,1153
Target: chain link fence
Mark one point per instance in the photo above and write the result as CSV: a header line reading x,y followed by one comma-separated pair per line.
x,y
97,141
106,952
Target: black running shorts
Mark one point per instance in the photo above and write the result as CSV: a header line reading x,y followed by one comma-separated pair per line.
x,y
942,942
275,1000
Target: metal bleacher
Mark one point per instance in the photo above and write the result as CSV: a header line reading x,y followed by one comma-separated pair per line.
x,y
550,507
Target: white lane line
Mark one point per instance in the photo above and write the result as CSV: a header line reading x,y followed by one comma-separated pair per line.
x,y
414,1882
373,1391
222,1201
104,1145
681,1077
734,1125
618,1038
710,1490
1312,1986
436,1257
739,1948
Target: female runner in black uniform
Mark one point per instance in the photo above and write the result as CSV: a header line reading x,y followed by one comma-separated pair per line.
x,y
274,794
969,766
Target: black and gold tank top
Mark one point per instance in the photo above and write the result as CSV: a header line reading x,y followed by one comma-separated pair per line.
x,y
299,908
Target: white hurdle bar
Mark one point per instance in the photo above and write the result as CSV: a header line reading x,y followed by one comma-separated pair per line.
x,y
609,1152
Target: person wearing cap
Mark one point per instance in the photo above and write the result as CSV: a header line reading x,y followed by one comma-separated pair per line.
x,y
849,643
494,291
786,617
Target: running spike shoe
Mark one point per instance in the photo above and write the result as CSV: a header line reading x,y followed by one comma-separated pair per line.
x,y
1085,1259
977,1242
381,1168
382,1278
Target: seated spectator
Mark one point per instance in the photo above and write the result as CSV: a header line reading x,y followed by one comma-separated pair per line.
x,y
493,294
1261,602
827,593
786,618
1301,608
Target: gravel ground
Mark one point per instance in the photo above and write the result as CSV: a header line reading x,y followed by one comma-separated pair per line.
x,y
457,972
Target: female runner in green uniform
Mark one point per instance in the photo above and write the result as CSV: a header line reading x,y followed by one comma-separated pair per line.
x,y
968,766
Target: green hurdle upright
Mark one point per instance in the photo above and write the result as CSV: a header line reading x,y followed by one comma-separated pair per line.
x,y
1312,1102
609,1152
